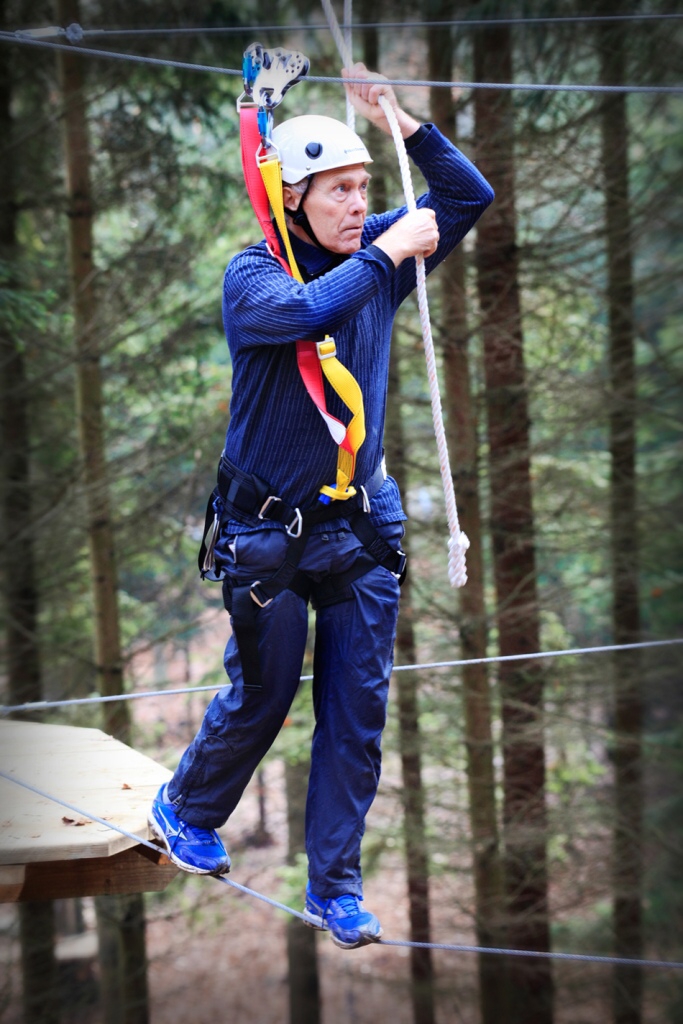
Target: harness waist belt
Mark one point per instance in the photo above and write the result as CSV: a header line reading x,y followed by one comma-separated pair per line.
x,y
249,494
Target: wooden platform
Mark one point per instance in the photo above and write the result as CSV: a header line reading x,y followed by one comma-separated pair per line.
x,y
48,851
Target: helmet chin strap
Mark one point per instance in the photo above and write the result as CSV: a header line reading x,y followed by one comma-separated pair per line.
x,y
300,218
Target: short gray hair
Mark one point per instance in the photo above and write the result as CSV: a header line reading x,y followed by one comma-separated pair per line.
x,y
300,187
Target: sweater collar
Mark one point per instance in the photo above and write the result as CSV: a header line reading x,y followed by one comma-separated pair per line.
x,y
312,261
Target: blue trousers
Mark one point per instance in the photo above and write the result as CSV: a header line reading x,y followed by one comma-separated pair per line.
x,y
353,659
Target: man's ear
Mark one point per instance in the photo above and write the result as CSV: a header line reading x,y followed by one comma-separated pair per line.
x,y
291,198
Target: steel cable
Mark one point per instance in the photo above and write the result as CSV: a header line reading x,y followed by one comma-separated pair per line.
x,y
21,38
453,947
47,705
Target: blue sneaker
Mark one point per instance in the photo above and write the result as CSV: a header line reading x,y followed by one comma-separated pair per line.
x,y
198,850
349,925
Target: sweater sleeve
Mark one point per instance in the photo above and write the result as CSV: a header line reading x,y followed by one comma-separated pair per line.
x,y
266,306
263,305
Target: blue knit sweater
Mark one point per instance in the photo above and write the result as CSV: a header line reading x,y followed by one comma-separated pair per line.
x,y
275,429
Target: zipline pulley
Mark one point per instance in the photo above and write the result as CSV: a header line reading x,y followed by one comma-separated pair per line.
x,y
267,75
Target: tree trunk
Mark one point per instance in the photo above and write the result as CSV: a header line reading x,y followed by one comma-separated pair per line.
x,y
261,836
40,1000
89,401
628,718
512,527
123,959
407,683
304,984
121,920
461,430
40,983
19,571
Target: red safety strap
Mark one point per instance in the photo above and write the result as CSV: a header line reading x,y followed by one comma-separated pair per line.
x,y
250,143
306,351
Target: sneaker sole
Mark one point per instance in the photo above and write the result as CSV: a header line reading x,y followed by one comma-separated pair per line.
x,y
159,834
316,921
365,941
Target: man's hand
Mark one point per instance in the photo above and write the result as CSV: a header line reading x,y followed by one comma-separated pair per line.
x,y
365,98
415,234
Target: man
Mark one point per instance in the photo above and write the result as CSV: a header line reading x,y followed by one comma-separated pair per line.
x,y
278,542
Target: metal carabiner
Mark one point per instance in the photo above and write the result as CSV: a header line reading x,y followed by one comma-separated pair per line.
x,y
296,526
255,599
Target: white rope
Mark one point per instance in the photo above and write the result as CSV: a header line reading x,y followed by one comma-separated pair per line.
x,y
348,35
458,542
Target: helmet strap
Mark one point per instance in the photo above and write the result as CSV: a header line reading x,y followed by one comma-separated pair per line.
x,y
300,218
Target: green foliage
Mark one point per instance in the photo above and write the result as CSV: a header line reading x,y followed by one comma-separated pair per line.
x,y
22,308
293,878
294,742
588,932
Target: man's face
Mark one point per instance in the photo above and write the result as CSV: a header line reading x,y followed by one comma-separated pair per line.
x,y
336,205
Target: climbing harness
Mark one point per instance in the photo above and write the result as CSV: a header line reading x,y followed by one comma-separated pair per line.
x,y
458,542
247,496
266,79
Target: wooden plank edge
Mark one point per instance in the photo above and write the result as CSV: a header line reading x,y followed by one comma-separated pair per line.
x,y
137,869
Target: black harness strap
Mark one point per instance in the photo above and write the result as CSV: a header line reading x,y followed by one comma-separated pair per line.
x,y
247,495
375,544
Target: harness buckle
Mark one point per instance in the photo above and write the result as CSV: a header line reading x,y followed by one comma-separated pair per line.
x,y
366,500
297,524
255,599
326,349
267,149
402,566
270,500
244,100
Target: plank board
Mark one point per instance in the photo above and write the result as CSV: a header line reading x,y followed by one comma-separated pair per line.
x,y
83,767
125,872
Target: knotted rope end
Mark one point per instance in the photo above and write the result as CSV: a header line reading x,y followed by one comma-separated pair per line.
x,y
457,571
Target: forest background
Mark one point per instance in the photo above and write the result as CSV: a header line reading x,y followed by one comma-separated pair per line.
x,y
529,804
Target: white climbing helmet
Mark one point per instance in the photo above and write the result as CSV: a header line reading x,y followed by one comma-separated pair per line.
x,y
312,143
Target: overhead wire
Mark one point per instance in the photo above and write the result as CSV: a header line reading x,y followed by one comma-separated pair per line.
x,y
22,39
48,705
380,25
447,946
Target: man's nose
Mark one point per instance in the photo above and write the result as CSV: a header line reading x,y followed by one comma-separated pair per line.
x,y
358,200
